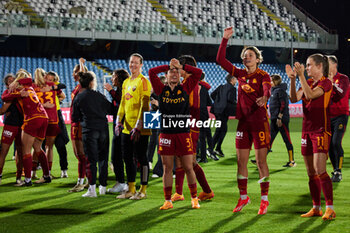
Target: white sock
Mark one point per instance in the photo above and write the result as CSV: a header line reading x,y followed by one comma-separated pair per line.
x,y
80,181
317,207
330,206
264,197
92,188
243,197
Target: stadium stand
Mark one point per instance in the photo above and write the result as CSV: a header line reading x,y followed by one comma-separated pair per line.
x,y
264,20
214,74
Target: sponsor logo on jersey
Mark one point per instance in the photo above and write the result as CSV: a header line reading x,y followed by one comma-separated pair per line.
x,y
128,96
239,135
303,141
164,142
7,133
173,100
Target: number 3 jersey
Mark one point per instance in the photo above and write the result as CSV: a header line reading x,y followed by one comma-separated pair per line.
x,y
31,106
49,97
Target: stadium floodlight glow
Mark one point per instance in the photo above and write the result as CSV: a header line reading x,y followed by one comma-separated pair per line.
x,y
295,50
348,39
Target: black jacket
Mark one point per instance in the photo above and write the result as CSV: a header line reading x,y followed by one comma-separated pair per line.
x,y
279,102
224,97
90,108
205,101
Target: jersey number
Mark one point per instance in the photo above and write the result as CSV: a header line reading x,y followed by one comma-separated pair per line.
x,y
47,97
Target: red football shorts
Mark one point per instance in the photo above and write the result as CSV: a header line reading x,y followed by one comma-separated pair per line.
x,y
9,133
75,132
257,132
194,136
52,130
314,142
36,127
175,144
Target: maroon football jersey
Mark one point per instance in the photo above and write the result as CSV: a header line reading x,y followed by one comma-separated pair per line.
x,y
316,111
31,106
340,95
251,87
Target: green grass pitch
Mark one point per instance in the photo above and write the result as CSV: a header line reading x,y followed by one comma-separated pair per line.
x,y
50,208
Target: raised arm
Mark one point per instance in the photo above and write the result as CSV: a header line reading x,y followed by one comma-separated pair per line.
x,y
82,65
294,96
190,83
157,85
221,55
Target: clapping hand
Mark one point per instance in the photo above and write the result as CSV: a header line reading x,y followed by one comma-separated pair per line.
x,y
299,69
290,72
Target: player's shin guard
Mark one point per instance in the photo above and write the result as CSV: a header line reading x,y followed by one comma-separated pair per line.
x,y
27,165
193,190
242,182
43,161
179,179
315,189
167,192
327,188
201,178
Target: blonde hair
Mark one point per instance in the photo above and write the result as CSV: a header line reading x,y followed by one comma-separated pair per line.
x,y
21,74
39,77
94,81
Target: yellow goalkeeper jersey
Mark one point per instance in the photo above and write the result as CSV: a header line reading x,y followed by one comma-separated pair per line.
x,y
135,100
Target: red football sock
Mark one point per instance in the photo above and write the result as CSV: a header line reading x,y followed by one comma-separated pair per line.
x,y
43,161
201,178
242,186
315,189
34,165
27,164
88,171
264,186
193,190
167,192
179,179
19,166
327,188
81,166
